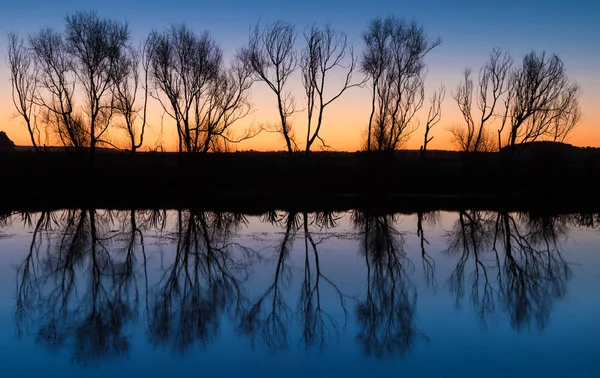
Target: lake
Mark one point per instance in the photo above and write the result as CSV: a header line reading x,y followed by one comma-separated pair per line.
x,y
99,293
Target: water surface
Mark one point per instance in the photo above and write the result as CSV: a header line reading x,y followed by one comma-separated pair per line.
x,y
100,293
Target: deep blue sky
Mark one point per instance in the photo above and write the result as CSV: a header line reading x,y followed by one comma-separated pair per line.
x,y
469,30
567,27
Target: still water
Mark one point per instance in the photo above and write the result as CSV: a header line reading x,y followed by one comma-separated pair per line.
x,y
96,293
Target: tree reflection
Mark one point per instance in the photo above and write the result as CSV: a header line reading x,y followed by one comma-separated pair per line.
x,y
84,279
386,316
588,220
203,283
526,277
535,273
470,239
27,298
266,319
318,325
426,259
78,300
5,219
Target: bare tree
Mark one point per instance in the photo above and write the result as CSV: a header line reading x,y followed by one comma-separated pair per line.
x,y
492,87
23,77
460,137
272,59
55,94
195,89
326,51
433,116
229,102
545,102
127,83
393,61
95,46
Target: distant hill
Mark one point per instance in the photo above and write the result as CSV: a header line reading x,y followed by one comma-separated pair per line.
x,y
545,145
524,150
545,148
63,149
5,143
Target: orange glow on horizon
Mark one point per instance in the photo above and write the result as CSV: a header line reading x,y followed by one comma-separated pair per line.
x,y
344,124
585,135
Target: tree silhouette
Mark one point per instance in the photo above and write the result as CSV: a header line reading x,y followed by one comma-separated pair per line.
x,y
324,54
434,115
24,81
544,101
271,58
196,90
393,61
492,88
127,86
94,46
57,84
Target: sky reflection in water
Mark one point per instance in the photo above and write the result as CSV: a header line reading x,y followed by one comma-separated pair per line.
x,y
152,293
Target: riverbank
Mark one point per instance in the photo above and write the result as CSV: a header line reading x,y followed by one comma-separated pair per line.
x,y
334,180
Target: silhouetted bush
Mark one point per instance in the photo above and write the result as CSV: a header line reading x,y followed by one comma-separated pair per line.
x,y
5,143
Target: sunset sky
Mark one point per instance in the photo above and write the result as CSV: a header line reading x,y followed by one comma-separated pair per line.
x,y
469,32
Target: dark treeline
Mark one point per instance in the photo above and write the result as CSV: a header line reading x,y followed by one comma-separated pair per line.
x,y
89,86
551,176
86,277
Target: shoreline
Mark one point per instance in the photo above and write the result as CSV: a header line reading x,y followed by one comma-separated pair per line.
x,y
255,181
255,205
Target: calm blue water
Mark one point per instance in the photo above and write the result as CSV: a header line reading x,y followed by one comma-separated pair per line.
x,y
153,294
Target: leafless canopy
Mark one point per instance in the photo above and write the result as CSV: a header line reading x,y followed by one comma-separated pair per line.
x,y
271,58
544,101
393,61
57,83
195,88
95,46
326,50
23,77
492,89
71,85
127,86
536,101
434,115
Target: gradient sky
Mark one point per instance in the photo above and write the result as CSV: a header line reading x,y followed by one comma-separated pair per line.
x,y
469,32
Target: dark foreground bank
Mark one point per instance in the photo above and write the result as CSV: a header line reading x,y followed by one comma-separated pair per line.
x,y
555,177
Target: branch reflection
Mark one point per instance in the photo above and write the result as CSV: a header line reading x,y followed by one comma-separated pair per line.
x,y
516,260
77,292
202,284
89,276
318,325
386,315
266,320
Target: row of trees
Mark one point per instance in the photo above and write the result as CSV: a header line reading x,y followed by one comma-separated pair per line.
x,y
533,101
78,86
